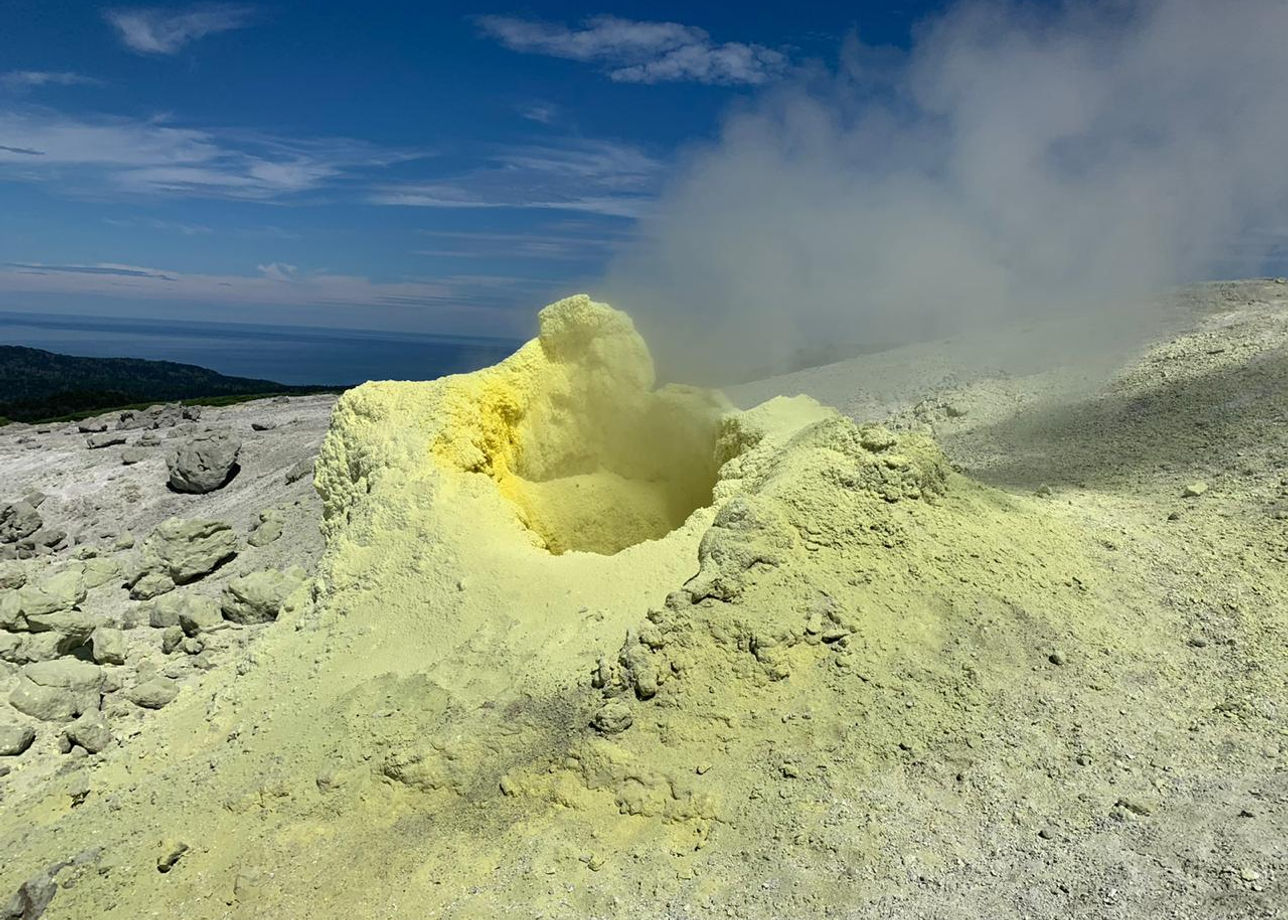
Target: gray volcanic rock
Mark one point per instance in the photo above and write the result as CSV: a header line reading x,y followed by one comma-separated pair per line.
x,y
18,520
204,464
104,439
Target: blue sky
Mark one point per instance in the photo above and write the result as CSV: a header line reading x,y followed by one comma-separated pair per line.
x,y
424,166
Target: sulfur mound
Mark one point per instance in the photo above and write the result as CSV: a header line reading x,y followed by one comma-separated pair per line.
x,y
582,646
570,429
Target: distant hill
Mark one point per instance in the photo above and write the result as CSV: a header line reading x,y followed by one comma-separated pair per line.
x,y
36,385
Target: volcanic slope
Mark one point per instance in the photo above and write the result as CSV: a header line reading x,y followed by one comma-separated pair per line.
x,y
583,647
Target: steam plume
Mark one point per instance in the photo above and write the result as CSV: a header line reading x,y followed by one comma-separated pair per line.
x,y
1017,162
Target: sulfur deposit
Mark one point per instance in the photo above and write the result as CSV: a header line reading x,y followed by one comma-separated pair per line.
x,y
580,646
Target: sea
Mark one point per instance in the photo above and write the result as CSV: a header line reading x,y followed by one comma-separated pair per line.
x,y
286,354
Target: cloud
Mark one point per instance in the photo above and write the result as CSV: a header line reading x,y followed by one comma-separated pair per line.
x,y
22,80
488,305
597,177
161,226
106,155
1021,162
157,30
546,245
641,52
540,112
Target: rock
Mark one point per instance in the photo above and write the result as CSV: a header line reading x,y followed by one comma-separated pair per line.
x,y
62,590
171,850
191,413
147,440
154,693
70,673
192,646
268,529
133,455
613,717
12,577
301,469
267,425
14,739
72,629
171,639
104,439
166,416
200,614
97,423
46,536
49,704
1057,658
18,521
57,691
31,898
100,570
124,541
164,613
150,585
259,596
187,549
90,731
204,464
1194,489
108,645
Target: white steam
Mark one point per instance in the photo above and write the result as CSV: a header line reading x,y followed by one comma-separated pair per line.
x,y
1015,164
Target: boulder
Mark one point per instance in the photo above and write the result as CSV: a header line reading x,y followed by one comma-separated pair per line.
x,y
104,439
95,424
14,739
62,590
199,614
204,463
71,627
185,549
259,596
49,704
90,731
108,645
100,570
12,576
151,584
133,455
57,691
268,529
18,520
154,693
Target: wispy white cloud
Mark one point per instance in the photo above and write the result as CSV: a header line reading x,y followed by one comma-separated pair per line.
x,y
598,177
537,246
466,304
641,52
161,226
542,113
23,80
105,155
274,283
157,30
